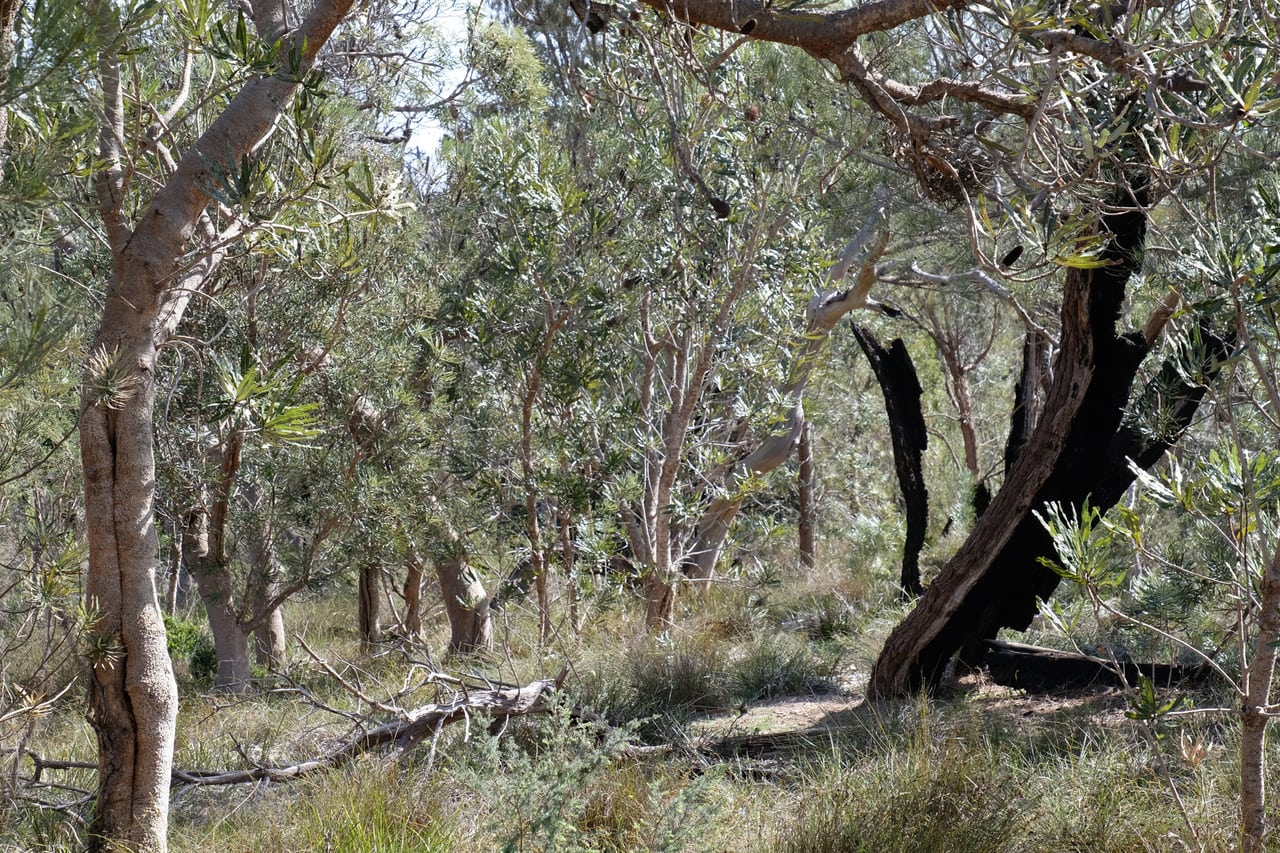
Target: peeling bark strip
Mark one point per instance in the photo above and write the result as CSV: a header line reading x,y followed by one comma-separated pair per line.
x,y
133,700
896,374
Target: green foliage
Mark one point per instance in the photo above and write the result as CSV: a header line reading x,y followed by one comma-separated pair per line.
x,y
189,641
561,787
503,61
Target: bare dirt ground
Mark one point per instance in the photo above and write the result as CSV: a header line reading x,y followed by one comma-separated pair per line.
x,y
813,717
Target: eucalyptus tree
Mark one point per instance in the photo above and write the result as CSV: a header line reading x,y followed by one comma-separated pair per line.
x,y
176,176
1064,125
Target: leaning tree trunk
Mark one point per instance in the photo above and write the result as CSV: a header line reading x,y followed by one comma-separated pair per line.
x,y
994,577
1078,452
902,392
823,312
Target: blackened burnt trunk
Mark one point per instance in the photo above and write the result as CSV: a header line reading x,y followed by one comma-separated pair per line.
x,y
900,385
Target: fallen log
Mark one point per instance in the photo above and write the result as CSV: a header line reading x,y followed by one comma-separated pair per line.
x,y
1038,669
409,727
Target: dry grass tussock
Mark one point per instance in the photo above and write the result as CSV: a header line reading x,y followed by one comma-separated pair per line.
x,y
764,744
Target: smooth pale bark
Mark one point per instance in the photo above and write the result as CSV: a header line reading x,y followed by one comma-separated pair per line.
x,y
133,700
210,564
132,695
264,588
825,310
1253,725
466,604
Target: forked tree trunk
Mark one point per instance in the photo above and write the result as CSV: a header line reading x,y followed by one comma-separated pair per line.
x,y
1078,452
896,374
826,309
977,589
804,499
133,702
133,699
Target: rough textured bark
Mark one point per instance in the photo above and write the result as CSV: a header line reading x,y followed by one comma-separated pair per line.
x,y
133,700
1078,452
804,499
466,604
412,619
132,696
902,392
993,578
1027,402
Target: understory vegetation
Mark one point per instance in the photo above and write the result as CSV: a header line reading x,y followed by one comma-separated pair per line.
x,y
744,729
575,426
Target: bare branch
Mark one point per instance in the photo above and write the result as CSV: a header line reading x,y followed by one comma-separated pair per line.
x,y
409,726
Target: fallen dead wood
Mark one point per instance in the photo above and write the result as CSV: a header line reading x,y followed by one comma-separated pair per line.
x,y
409,727
1039,669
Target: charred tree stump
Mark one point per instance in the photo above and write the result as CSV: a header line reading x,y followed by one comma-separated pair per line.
x,y
896,374
994,581
1037,669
